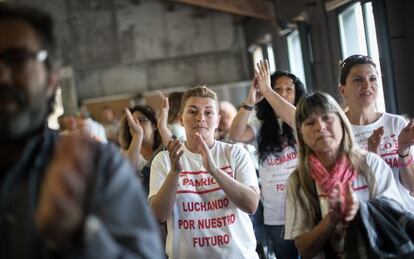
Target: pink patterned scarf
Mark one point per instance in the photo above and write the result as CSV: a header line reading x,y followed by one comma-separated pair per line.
x,y
342,173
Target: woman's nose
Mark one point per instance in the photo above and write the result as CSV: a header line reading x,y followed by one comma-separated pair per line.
x,y
365,83
200,117
320,125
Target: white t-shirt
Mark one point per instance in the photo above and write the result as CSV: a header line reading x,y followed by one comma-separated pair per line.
x,y
204,222
274,173
297,220
393,125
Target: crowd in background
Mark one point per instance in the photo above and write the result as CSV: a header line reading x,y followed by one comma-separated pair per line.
x,y
287,174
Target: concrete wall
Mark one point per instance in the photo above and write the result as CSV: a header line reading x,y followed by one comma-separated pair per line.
x,y
124,46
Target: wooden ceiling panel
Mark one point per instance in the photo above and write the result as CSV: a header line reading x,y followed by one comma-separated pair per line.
x,y
262,9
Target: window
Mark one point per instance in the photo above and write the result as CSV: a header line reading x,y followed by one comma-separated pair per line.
x,y
257,55
295,56
263,49
52,120
358,36
271,58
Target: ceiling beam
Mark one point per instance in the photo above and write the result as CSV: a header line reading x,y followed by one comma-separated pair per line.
x,y
262,9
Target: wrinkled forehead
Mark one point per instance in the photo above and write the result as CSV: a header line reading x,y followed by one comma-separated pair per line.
x,y
201,103
16,33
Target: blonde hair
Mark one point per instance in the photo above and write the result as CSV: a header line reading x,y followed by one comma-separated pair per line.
x,y
198,91
322,103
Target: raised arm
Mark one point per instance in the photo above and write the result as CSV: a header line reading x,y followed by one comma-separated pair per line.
x,y
284,109
162,123
134,150
239,130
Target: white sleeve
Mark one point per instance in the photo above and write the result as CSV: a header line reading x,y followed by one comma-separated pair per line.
x,y
385,185
296,221
160,167
244,170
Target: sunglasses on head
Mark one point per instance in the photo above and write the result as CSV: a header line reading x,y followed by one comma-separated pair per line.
x,y
356,58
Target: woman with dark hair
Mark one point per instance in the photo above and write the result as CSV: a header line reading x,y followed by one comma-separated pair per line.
x,y
388,135
276,146
138,135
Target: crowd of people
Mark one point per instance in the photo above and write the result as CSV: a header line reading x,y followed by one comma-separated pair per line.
x,y
333,181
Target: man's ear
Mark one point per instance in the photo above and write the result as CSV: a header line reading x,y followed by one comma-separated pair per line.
x,y
52,82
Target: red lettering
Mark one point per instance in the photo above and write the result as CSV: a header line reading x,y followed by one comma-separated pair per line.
x,y
205,206
186,224
392,162
280,187
220,240
216,222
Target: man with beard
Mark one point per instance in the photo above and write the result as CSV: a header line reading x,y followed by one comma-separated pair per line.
x,y
60,196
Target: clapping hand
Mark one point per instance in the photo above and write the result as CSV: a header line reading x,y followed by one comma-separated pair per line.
x,y
204,150
175,151
374,140
343,204
406,138
60,213
135,127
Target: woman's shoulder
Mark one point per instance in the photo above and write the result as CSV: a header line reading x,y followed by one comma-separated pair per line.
x,y
394,118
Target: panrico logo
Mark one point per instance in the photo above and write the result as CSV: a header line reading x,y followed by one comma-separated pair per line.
x,y
199,182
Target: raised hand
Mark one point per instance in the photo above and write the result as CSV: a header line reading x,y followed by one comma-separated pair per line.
x,y
163,113
263,76
60,213
374,140
254,96
135,127
175,151
406,138
204,150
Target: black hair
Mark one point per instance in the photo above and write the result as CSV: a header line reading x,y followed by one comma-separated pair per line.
x,y
149,113
271,138
39,20
43,25
350,62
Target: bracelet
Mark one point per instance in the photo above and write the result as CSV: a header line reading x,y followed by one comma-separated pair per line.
x,y
408,163
247,107
402,156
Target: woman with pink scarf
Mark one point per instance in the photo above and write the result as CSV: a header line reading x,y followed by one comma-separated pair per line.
x,y
333,175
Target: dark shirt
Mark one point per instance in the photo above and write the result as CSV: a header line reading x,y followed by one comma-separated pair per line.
x,y
118,220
